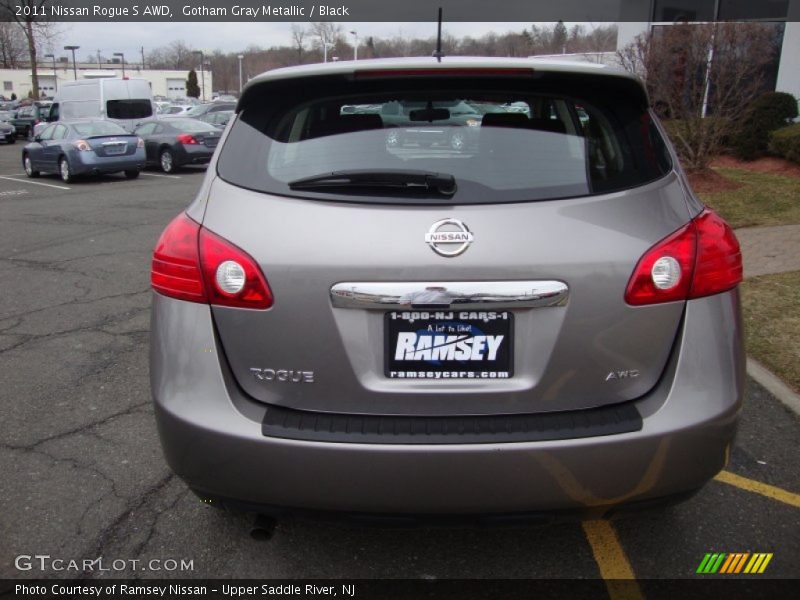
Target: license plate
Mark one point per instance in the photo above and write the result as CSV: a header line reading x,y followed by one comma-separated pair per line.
x,y
449,344
116,149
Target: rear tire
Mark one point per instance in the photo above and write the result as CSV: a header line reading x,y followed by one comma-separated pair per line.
x,y
11,139
132,173
64,170
166,161
28,165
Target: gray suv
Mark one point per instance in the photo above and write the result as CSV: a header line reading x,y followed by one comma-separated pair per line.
x,y
545,320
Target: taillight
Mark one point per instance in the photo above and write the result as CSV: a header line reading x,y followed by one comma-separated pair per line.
x,y
186,139
700,259
176,261
82,145
719,258
232,276
192,263
139,143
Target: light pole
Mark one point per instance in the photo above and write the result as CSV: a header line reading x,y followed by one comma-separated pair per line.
x,y
55,73
202,73
74,68
240,57
122,56
325,46
355,45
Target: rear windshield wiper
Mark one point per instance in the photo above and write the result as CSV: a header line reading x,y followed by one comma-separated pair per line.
x,y
411,180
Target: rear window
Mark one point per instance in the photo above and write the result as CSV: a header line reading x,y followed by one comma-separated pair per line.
x,y
500,140
129,109
98,128
189,125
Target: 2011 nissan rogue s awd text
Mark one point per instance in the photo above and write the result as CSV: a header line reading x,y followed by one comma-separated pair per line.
x,y
543,318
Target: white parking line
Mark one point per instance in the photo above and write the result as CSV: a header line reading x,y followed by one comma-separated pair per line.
x,y
60,187
154,175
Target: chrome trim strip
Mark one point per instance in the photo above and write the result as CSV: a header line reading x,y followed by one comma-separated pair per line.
x,y
446,294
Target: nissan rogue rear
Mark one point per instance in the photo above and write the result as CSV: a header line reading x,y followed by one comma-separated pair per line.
x,y
543,318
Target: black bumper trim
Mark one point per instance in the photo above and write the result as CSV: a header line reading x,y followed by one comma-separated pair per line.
x,y
288,423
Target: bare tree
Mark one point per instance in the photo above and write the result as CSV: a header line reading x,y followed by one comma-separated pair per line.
x,y
36,29
298,35
13,47
325,32
701,79
179,55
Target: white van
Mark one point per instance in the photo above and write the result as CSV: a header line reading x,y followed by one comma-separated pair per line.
x,y
124,101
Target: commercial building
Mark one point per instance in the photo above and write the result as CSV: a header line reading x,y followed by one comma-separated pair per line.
x,y
169,83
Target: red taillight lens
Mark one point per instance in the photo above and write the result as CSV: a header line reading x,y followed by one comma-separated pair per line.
x,y
186,139
700,259
176,261
232,276
679,246
192,263
719,258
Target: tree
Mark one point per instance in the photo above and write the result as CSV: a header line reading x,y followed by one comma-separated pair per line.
x,y
325,33
298,35
701,78
192,89
559,43
35,27
13,46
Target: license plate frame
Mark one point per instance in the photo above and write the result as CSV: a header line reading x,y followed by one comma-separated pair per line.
x,y
492,360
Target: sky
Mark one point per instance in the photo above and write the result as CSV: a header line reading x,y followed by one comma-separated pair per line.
x,y
233,37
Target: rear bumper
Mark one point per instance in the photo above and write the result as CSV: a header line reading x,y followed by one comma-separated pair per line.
x,y
213,439
193,154
88,162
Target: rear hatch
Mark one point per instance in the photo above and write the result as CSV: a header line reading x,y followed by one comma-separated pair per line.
x,y
487,279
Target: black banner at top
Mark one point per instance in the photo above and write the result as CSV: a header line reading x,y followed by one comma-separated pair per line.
x,y
400,11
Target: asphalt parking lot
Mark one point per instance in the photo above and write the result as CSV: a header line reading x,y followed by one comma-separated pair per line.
x,y
82,470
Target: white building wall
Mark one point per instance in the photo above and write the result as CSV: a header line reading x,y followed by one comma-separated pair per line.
x,y
789,68
18,81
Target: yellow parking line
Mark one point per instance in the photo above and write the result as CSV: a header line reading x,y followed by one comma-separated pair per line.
x,y
612,561
770,491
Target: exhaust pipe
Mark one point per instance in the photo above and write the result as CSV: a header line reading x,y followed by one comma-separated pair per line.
x,y
263,528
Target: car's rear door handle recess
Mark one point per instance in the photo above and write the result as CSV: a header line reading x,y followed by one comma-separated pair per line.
x,y
446,294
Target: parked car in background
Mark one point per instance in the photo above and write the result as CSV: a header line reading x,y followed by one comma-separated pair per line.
x,y
218,119
84,147
7,130
176,110
452,124
202,109
29,116
173,142
547,321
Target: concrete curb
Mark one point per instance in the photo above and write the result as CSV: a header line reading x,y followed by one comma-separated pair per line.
x,y
774,385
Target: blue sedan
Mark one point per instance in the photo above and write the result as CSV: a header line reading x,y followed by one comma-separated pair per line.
x,y
84,147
